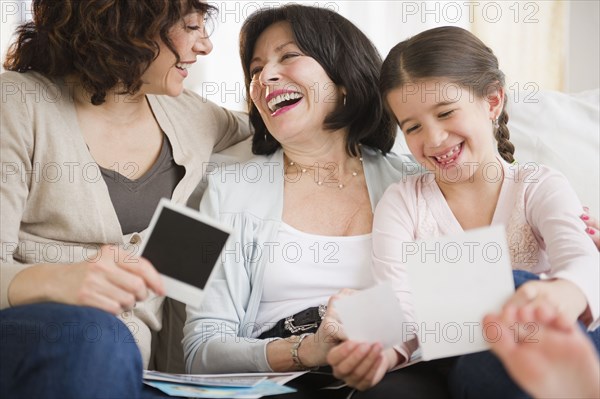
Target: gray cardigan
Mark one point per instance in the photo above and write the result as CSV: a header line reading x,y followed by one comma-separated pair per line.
x,y
248,197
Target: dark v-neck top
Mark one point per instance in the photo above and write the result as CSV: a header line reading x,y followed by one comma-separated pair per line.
x,y
135,200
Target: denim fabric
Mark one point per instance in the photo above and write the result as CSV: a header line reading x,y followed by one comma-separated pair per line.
x,y
51,350
482,375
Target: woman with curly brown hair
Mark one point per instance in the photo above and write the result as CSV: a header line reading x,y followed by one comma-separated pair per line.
x,y
96,128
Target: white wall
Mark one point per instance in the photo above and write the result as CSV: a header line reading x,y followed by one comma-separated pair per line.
x,y
12,12
219,76
583,52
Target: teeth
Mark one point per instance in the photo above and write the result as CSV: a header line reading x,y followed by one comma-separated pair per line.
x,y
281,98
183,66
448,154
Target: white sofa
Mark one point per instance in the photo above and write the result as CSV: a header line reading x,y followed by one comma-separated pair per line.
x,y
561,131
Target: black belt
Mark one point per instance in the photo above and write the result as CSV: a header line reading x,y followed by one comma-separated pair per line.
x,y
306,321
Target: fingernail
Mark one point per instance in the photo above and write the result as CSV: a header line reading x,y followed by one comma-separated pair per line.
x,y
590,231
585,217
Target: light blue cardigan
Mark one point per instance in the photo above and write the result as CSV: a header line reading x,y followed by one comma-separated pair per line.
x,y
248,197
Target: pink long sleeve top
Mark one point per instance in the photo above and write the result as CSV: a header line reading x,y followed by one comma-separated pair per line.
x,y
538,208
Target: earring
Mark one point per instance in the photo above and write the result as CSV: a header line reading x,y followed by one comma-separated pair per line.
x,y
344,100
496,123
265,137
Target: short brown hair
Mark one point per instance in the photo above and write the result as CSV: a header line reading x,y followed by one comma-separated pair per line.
x,y
104,42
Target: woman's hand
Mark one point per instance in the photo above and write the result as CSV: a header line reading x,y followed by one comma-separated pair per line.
x,y
113,281
314,348
592,226
330,333
564,296
362,365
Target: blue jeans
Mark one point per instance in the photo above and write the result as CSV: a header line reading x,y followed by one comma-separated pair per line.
x,y
482,375
51,350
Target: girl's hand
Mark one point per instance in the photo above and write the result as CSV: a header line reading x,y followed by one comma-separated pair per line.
x,y
361,365
113,282
564,296
592,226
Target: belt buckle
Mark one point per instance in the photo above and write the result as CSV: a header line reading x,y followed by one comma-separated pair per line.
x,y
288,323
322,311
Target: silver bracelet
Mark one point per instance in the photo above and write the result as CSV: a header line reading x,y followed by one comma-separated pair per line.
x,y
294,351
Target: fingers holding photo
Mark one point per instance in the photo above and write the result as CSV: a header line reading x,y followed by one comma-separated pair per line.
x,y
113,281
360,365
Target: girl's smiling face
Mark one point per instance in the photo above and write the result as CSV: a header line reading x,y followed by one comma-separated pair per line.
x,y
447,128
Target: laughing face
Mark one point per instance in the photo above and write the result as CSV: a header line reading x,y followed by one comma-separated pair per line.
x,y
291,90
447,128
165,75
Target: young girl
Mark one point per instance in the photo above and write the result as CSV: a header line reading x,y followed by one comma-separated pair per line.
x,y
447,94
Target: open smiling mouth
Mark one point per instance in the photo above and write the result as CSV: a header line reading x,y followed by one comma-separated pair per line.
x,y
449,157
183,67
284,100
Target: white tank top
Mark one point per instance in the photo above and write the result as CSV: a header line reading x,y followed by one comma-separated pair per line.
x,y
304,270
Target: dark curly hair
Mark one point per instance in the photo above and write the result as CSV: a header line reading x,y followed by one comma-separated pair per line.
x,y
104,42
452,53
348,57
